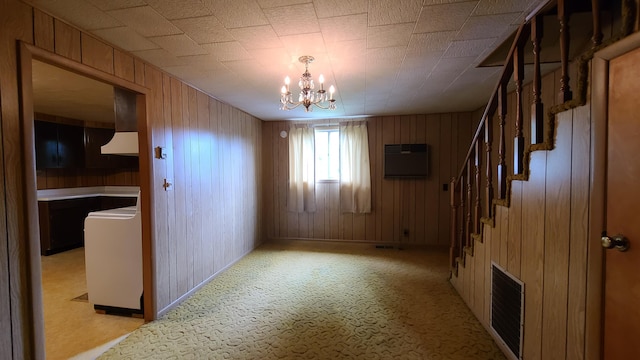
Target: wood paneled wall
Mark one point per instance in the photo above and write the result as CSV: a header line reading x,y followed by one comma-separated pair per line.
x,y
420,206
210,217
67,178
541,238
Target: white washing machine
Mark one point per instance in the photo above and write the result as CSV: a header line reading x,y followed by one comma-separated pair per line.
x,y
113,259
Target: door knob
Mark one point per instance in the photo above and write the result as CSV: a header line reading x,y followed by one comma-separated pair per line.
x,y
617,242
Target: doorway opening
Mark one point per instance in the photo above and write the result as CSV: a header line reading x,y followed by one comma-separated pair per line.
x,y
69,190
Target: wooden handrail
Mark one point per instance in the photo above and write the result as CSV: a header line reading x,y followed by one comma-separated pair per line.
x,y
507,71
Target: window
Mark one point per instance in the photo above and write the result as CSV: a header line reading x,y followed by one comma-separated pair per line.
x,y
327,154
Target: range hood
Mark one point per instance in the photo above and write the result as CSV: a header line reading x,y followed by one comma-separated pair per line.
x,y
122,143
125,139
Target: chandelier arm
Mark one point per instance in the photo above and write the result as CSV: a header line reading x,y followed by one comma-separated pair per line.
x,y
295,105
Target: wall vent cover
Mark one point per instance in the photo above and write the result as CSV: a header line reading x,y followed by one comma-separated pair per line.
x,y
507,308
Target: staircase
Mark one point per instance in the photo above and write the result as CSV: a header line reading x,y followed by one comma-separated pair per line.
x,y
480,185
521,199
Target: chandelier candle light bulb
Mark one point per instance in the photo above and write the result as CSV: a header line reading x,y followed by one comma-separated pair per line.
x,y
308,96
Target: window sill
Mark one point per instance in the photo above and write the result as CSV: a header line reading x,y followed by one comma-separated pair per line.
x,y
327,181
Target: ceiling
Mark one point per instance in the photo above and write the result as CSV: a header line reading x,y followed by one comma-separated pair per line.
x,y
385,57
63,93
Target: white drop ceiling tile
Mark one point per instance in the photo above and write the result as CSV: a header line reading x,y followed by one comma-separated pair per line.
x,y
172,9
351,84
278,3
226,51
79,13
276,58
345,52
470,97
409,82
222,85
468,48
304,44
377,97
384,12
351,93
295,19
445,17
446,67
477,76
430,42
355,108
125,38
493,7
425,62
207,61
237,13
332,8
179,45
486,26
146,21
342,28
117,4
385,56
381,76
257,37
159,57
187,73
248,70
389,35
397,104
205,29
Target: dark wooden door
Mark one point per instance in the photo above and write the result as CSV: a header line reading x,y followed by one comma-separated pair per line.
x,y
622,269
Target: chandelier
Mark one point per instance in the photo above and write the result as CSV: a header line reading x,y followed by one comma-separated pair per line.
x,y
308,96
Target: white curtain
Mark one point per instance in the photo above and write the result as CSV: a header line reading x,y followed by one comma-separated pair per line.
x,y
355,176
302,179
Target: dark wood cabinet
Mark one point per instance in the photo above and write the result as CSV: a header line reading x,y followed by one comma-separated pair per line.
x,y
61,224
94,138
112,202
61,146
62,221
58,146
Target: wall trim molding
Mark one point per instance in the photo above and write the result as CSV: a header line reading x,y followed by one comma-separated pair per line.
x,y
597,204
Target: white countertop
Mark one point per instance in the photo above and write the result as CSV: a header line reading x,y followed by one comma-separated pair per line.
x,y
82,192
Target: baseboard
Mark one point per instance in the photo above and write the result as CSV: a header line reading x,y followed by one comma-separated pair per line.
x,y
363,243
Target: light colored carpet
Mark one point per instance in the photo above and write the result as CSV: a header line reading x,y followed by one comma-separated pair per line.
x,y
319,301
